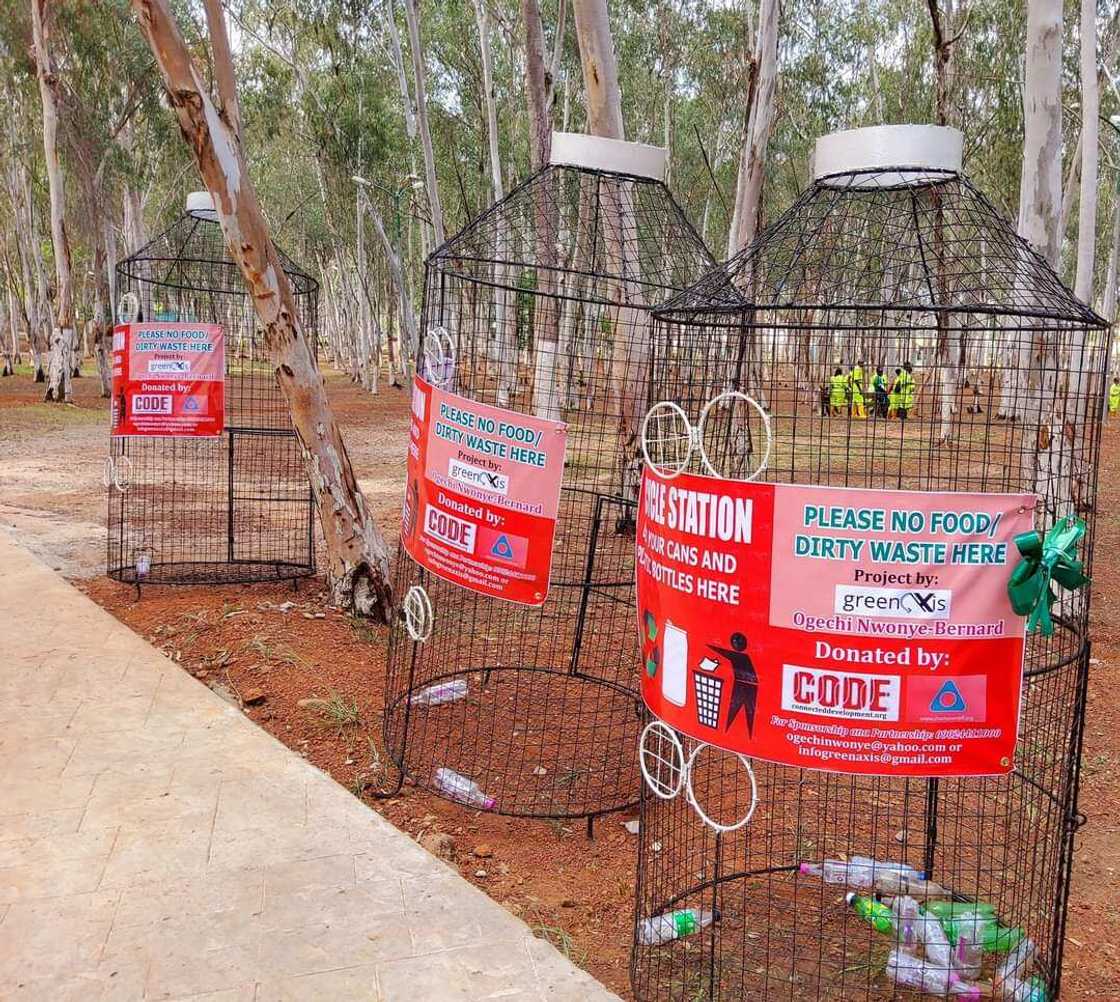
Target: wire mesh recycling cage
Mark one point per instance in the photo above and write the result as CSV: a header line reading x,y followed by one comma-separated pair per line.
x,y
544,303
232,508
891,257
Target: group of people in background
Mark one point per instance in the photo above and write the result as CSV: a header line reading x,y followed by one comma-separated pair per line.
x,y
844,393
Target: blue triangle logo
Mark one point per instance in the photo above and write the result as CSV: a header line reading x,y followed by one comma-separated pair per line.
x,y
502,549
948,699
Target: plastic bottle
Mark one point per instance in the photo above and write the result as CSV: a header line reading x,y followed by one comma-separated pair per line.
x,y
951,909
465,791
1014,990
673,925
906,914
1012,981
859,871
1018,963
892,884
968,955
878,915
909,971
986,931
932,936
441,692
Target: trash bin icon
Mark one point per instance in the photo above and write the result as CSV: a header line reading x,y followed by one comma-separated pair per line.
x,y
709,698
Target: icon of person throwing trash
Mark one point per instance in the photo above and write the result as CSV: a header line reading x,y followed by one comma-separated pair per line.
x,y
744,693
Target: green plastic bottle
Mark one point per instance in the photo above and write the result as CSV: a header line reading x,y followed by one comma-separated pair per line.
x,y
994,936
874,913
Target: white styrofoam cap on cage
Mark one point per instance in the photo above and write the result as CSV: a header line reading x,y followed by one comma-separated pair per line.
x,y
199,203
925,151
574,149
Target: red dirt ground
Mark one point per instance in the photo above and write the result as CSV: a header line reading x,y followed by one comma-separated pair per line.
x,y
273,649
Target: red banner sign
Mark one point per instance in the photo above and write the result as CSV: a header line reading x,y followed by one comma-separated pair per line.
x,y
168,379
483,492
847,630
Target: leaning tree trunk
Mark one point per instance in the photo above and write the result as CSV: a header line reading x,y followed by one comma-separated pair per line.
x,y
59,367
357,558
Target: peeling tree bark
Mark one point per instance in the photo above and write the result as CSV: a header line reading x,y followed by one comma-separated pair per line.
x,y
357,558
1041,184
756,135
62,342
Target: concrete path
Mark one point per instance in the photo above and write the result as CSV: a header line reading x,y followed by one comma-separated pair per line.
x,y
155,844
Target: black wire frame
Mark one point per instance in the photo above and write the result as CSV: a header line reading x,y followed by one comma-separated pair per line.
x,y
1010,372
236,508
552,710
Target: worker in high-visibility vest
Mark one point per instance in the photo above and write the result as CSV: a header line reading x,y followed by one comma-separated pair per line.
x,y
838,393
882,398
855,390
905,391
895,395
1114,397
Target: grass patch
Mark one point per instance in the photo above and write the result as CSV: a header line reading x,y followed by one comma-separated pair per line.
x,y
562,940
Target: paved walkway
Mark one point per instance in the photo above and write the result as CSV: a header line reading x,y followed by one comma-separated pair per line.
x,y
155,844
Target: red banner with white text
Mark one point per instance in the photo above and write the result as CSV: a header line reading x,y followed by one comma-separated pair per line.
x,y
168,379
847,630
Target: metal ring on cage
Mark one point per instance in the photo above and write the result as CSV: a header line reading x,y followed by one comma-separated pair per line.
x,y
128,308
668,439
109,476
690,792
439,356
122,473
664,773
418,615
726,398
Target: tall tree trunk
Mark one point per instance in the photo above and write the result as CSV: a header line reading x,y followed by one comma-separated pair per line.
x,y
412,14
398,64
1041,183
357,558
506,341
630,349
756,134
600,69
60,366
102,316
1109,306
1090,110
408,319
546,315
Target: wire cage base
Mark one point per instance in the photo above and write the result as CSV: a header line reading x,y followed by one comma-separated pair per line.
x,y
778,932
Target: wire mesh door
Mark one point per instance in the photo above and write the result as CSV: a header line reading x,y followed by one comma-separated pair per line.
x,y
975,371
235,508
527,710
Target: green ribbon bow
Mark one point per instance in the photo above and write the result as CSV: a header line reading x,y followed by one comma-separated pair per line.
x,y
1053,558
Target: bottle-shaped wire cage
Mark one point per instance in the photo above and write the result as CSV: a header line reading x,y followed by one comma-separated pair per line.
x,y
233,508
546,298
891,257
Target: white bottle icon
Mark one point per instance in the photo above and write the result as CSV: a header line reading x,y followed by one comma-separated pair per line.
x,y
674,665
